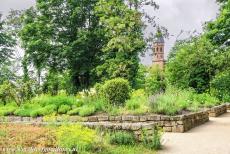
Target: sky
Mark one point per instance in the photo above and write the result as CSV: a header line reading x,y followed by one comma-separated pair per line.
x,y
175,15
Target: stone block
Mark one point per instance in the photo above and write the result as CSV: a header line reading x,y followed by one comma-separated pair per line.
x,y
117,118
178,129
143,118
180,122
167,129
92,119
154,118
103,118
164,118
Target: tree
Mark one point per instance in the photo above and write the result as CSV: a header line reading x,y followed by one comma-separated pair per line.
x,y
220,86
6,53
218,31
192,65
93,40
123,29
155,80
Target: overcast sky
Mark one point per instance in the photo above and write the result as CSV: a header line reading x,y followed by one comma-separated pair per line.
x,y
175,15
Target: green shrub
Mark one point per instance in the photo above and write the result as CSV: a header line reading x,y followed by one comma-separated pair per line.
x,y
152,141
87,110
8,109
122,138
43,111
206,100
74,111
155,82
220,86
116,91
26,109
58,100
63,109
138,99
133,104
171,102
78,137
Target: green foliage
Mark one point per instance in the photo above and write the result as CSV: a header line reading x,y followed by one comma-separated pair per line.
x,y
153,141
140,77
106,48
116,91
26,109
7,92
137,104
218,31
220,86
122,138
87,110
192,65
63,109
174,101
78,137
58,100
125,41
154,82
8,109
6,44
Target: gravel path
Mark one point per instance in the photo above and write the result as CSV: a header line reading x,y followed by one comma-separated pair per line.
x,y
212,137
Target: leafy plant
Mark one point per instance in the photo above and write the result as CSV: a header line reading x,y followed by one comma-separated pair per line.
x,y
116,91
63,109
122,138
152,141
78,137
87,110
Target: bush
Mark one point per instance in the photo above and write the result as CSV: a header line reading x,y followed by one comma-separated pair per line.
x,y
220,86
63,109
138,100
74,111
153,141
87,110
78,137
58,100
122,138
155,82
26,109
206,100
116,91
171,102
8,109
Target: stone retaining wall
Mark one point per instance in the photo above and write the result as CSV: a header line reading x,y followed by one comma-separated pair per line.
x,y
136,128
218,110
228,106
179,123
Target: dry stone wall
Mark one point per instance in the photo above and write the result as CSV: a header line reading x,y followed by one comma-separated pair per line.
x,y
179,123
218,110
135,123
228,106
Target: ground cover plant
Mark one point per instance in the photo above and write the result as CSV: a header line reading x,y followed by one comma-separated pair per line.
x,y
73,137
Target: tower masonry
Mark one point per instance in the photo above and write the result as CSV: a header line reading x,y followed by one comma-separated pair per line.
x,y
158,51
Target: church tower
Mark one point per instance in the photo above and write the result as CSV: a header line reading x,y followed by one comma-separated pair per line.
x,y
158,50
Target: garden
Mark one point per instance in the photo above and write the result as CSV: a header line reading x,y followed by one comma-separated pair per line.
x,y
82,59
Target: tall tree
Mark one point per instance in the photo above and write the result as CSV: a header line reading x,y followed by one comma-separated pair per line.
x,y
6,53
93,39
